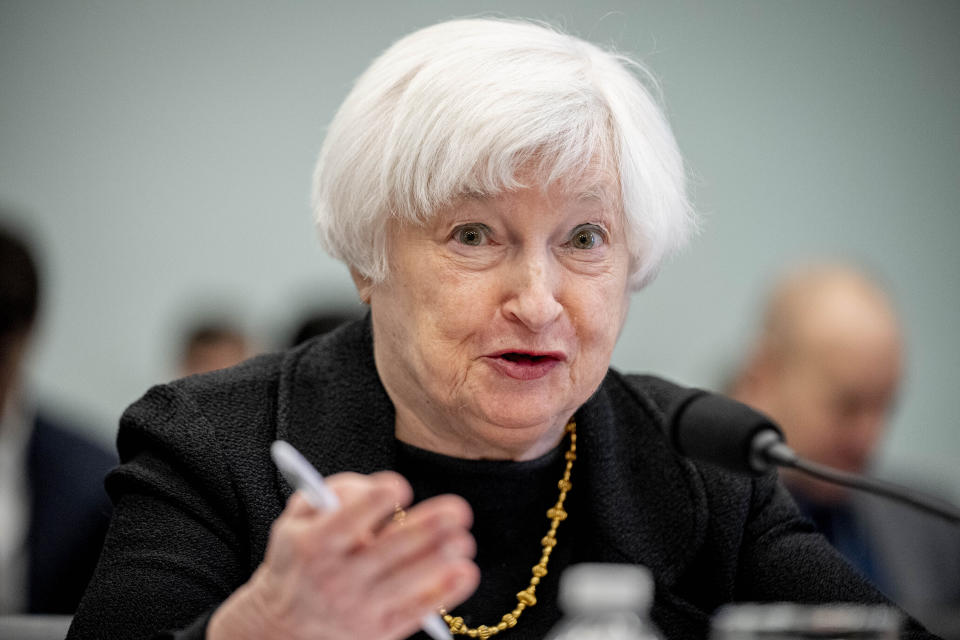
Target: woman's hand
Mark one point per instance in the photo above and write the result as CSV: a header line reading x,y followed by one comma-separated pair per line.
x,y
356,572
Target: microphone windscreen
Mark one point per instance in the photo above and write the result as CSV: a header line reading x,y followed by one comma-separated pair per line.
x,y
713,428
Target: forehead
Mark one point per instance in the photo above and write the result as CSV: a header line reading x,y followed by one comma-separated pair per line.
x,y
863,363
597,180
598,191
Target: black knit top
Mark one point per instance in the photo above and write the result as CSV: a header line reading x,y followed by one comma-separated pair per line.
x,y
510,502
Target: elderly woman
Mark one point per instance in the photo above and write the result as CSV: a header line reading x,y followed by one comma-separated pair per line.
x,y
497,190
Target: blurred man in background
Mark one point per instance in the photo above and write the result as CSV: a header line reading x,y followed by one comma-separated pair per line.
x,y
53,507
211,345
827,367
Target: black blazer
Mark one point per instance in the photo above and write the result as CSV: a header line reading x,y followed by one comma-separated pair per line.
x,y
69,513
197,492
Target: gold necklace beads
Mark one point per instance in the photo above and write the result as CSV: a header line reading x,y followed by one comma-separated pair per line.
x,y
527,597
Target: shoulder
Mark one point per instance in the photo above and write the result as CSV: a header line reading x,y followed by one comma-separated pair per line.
x,y
655,394
240,386
203,442
230,402
222,423
654,398
200,415
707,508
260,390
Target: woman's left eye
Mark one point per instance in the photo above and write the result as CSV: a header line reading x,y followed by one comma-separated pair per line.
x,y
472,235
586,236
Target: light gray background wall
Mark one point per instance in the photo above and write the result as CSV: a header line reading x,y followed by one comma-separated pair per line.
x,y
162,152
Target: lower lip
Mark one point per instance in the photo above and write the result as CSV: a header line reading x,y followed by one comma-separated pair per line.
x,y
524,369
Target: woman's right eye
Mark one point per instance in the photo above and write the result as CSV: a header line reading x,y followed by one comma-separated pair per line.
x,y
471,235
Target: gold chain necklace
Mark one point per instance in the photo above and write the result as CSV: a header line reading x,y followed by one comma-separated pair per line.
x,y
527,597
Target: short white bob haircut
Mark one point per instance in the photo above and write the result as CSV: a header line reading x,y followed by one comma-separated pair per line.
x,y
463,106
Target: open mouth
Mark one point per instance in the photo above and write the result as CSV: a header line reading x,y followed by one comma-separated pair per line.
x,y
526,365
525,358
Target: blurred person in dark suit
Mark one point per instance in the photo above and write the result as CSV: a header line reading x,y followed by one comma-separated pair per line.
x,y
827,366
53,505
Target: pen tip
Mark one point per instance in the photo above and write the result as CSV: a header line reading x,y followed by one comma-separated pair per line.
x,y
436,628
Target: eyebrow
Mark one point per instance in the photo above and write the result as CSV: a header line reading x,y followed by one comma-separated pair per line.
x,y
595,193
471,194
609,200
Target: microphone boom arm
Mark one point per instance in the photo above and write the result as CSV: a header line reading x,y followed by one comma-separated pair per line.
x,y
722,431
781,455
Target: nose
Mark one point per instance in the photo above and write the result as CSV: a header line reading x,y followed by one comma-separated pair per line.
x,y
532,286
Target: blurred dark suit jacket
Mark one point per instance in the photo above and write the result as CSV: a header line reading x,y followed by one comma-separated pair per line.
x,y
920,557
912,556
69,513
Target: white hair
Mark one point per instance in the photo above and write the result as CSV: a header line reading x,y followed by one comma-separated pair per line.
x,y
464,106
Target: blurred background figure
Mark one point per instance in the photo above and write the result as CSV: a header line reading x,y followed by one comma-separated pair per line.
x,y
53,507
827,366
213,344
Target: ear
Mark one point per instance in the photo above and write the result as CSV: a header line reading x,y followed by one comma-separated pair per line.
x,y
363,284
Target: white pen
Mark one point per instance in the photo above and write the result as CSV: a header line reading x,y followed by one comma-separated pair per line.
x,y
304,477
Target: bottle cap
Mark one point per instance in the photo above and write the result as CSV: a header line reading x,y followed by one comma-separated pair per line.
x,y
605,587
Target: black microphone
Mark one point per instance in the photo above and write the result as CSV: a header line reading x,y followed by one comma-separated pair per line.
x,y
716,429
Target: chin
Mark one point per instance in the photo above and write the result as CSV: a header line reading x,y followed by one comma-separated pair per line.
x,y
518,414
519,405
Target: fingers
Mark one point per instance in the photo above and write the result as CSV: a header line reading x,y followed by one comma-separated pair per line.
x,y
366,502
422,564
433,582
449,507
364,528
322,568
440,524
298,507
351,487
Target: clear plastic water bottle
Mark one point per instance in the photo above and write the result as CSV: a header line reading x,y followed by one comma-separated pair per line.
x,y
605,602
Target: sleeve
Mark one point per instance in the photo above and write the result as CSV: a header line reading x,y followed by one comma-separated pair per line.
x,y
784,559
175,548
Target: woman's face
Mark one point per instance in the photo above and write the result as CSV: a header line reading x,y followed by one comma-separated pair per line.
x,y
499,317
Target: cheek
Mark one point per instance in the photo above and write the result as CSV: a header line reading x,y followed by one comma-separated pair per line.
x,y
452,306
816,423
597,320
614,300
602,326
